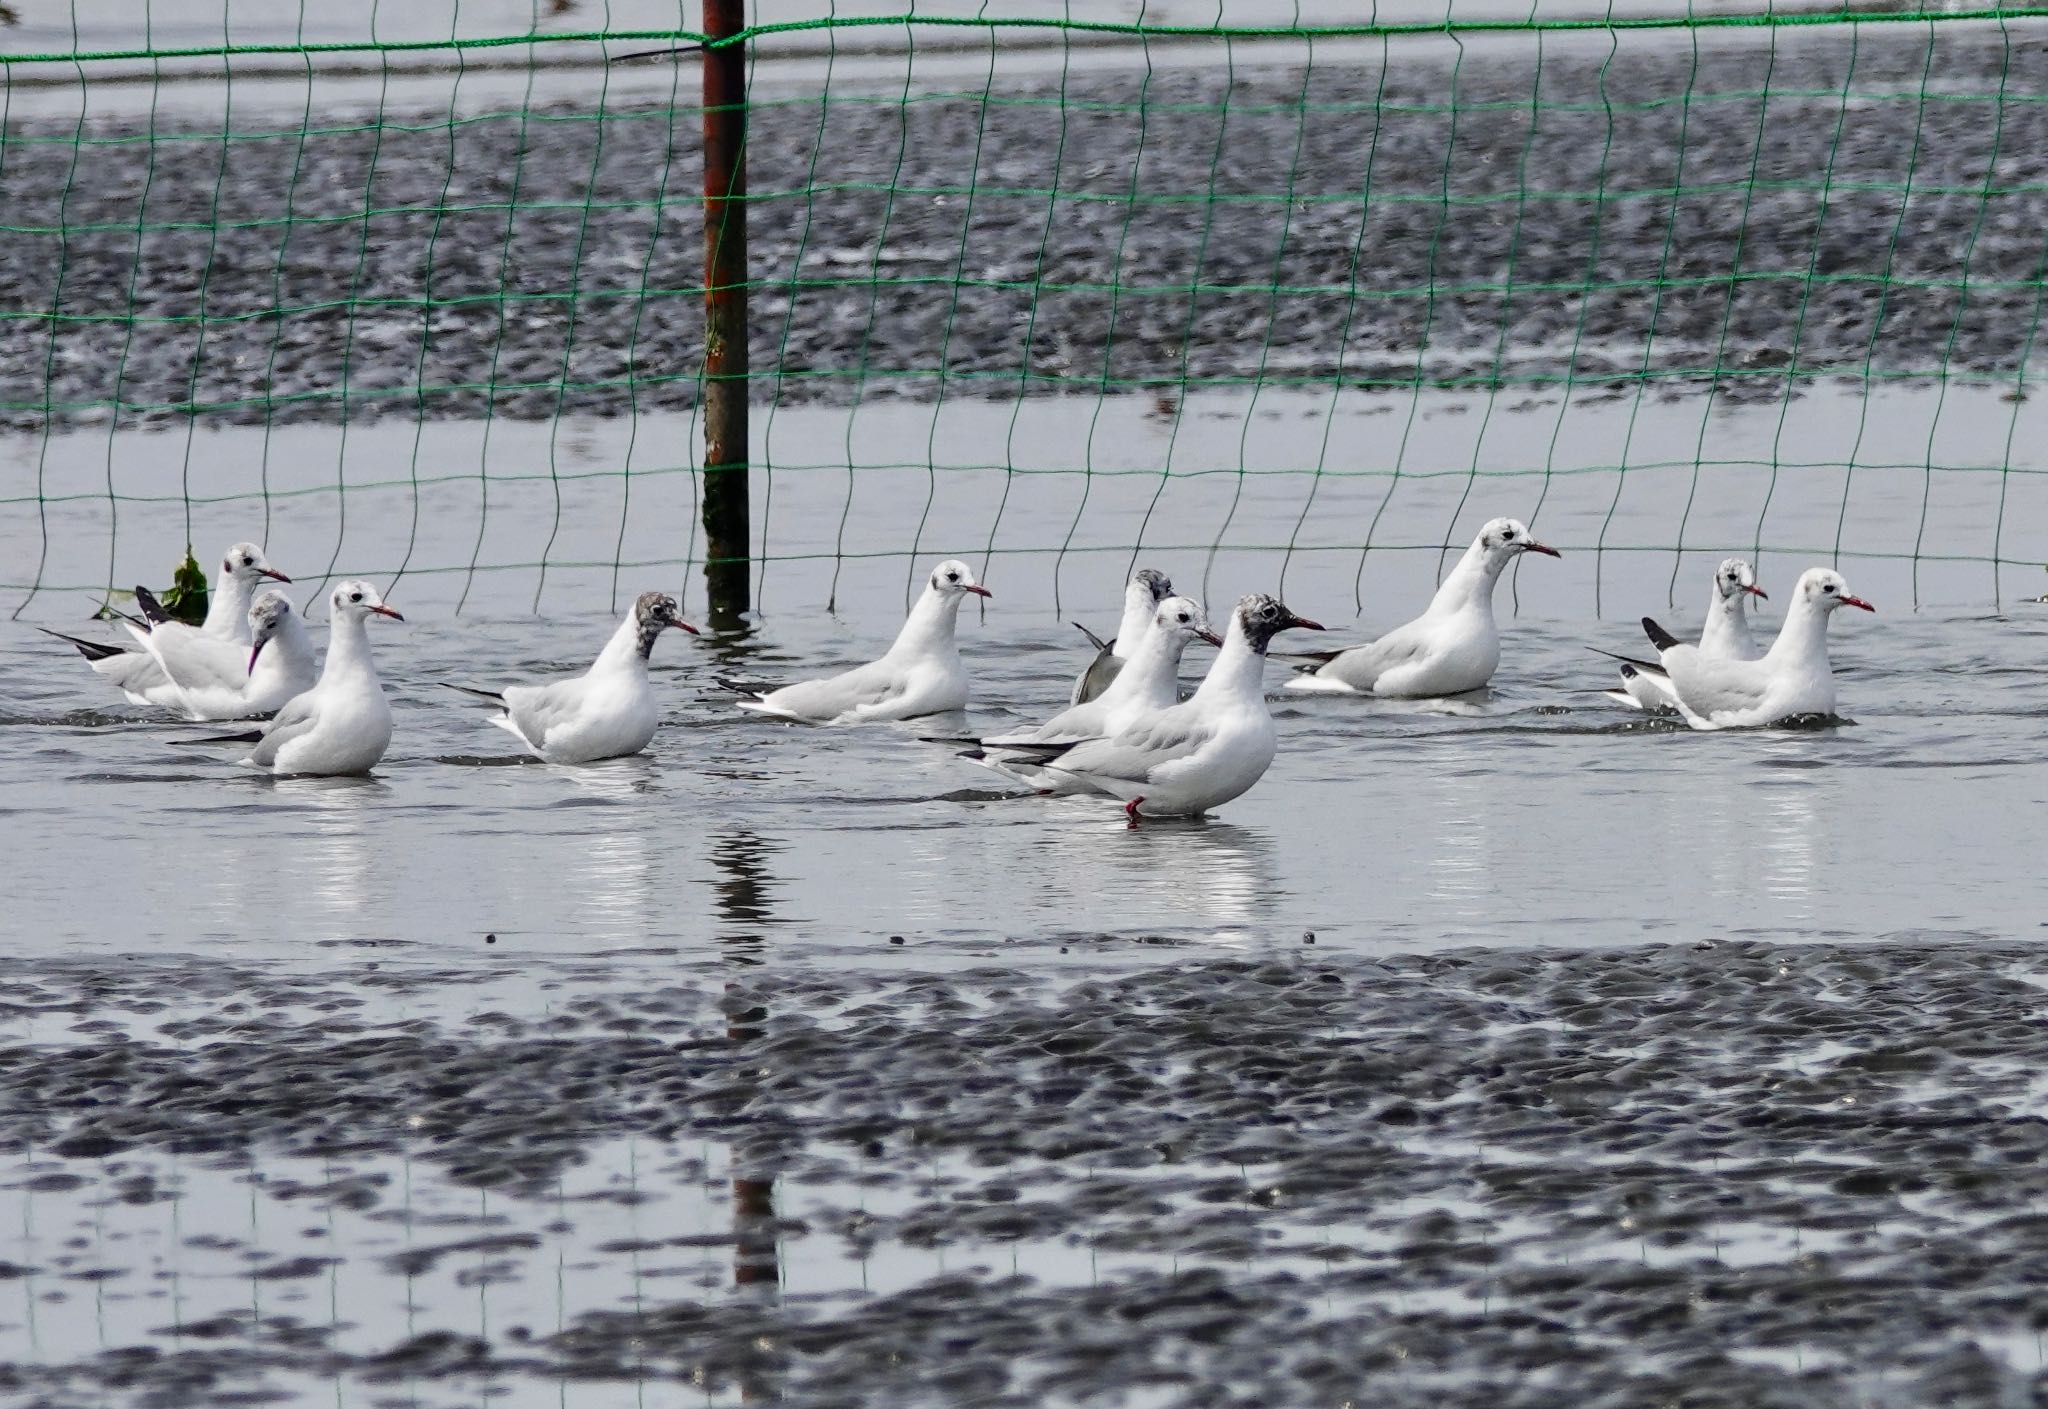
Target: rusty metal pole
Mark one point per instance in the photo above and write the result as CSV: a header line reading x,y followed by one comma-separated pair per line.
x,y
726,537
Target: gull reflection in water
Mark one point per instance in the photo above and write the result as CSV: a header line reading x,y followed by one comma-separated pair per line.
x,y
1461,861
1168,871
1790,824
615,859
333,822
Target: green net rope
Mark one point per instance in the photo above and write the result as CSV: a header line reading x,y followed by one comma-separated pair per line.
x,y
1689,216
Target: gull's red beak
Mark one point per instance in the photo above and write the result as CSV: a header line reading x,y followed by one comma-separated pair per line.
x,y
1545,549
1757,591
681,625
381,610
274,575
1305,624
1849,601
255,651
978,590
1211,637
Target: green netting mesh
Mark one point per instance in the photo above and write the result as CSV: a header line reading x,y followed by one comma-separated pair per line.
x,y
1311,289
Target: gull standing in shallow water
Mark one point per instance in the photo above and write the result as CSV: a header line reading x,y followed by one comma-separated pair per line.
x,y
1148,588
606,712
343,724
1148,682
920,674
1184,760
135,672
243,686
1726,636
1793,679
1451,649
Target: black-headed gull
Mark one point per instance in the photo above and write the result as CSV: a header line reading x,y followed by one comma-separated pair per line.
x,y
1148,682
1185,759
606,712
1791,681
920,674
1726,636
135,672
1451,649
215,680
343,724
1148,588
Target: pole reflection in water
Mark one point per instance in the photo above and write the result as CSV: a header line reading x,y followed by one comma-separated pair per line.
x,y
741,899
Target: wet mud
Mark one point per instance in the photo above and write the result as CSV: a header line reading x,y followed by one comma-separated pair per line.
x,y
1869,206
1730,1173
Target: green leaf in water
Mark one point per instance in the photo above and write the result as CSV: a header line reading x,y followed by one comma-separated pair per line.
x,y
186,599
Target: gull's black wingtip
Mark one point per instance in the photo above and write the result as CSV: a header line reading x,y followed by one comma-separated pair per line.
x,y
91,650
1660,638
1096,641
490,695
251,736
152,610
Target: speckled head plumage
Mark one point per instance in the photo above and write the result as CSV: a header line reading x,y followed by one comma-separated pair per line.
x,y
1185,616
1262,617
1508,537
1735,577
1155,582
654,613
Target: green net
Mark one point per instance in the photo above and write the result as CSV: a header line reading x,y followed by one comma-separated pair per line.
x,y
1053,291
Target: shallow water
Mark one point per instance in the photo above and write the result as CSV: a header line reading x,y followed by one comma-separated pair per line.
x,y
1541,814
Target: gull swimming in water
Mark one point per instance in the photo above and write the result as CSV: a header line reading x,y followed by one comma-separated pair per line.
x,y
1148,682
210,683
606,712
1148,588
1451,649
137,674
1794,679
1188,758
920,674
1726,636
343,724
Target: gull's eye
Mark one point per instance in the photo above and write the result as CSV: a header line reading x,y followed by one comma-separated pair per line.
x,y
952,577
1507,535
1829,589
355,596
1184,618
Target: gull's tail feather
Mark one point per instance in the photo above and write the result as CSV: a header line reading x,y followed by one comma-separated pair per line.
x,y
492,695
1648,667
1096,641
740,687
152,610
247,736
91,650
974,739
1660,638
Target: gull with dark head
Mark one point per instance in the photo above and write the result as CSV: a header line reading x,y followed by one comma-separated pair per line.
x,y
920,674
343,724
1148,682
1188,758
1148,588
1451,649
136,672
606,712
1792,680
1726,636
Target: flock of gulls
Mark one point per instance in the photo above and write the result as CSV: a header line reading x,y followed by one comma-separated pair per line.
x,y
1126,734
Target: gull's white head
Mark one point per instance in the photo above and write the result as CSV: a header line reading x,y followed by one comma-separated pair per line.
x,y
955,579
1261,618
1735,577
1184,620
1507,538
1824,590
268,615
246,562
359,599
